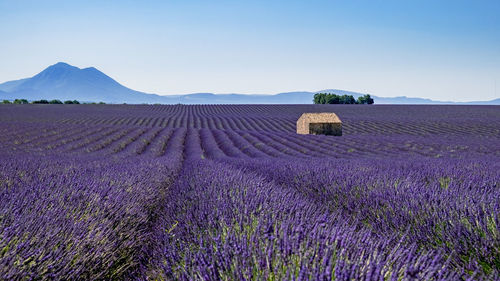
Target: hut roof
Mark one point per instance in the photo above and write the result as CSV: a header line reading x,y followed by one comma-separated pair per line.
x,y
323,117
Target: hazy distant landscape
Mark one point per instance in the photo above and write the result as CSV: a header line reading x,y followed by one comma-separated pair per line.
x,y
63,81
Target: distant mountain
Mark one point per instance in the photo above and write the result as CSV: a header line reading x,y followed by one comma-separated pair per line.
x,y
11,85
495,101
491,102
65,82
406,100
403,99
300,98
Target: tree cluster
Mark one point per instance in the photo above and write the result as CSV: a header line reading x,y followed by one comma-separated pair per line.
x,y
16,101
25,101
71,102
325,98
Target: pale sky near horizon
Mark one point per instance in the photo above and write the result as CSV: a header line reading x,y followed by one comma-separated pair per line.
x,y
444,50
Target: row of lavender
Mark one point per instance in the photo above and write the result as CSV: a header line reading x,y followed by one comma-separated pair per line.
x,y
368,120
80,216
334,220
133,141
103,201
365,218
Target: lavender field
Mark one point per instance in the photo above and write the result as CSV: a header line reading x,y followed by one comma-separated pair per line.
x,y
231,192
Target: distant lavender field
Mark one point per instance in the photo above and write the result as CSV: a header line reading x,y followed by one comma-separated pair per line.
x,y
230,192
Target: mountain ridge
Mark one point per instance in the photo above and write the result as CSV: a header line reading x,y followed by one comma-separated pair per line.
x,y
66,82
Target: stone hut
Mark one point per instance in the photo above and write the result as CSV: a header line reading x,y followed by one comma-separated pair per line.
x,y
327,123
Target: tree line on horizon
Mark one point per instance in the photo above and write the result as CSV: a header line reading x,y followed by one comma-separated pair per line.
x,y
326,98
319,98
25,101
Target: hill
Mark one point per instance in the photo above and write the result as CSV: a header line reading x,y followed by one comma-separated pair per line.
x,y
66,82
63,81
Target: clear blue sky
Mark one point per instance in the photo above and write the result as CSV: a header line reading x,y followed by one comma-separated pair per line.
x,y
445,50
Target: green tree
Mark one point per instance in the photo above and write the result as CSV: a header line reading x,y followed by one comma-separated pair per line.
x,y
6,102
55,102
369,99
325,98
366,99
347,99
332,99
40,102
320,98
71,102
316,98
21,101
